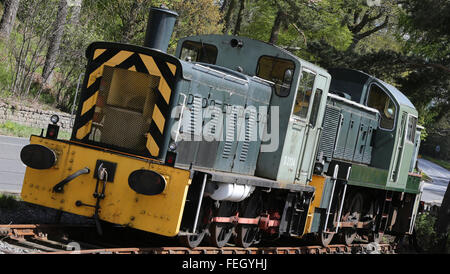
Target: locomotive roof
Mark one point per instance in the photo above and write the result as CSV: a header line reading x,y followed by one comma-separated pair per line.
x,y
251,49
399,96
364,78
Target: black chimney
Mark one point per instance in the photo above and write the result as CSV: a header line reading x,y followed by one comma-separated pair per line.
x,y
159,28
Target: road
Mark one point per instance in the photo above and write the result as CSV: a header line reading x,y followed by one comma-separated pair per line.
x,y
12,169
434,191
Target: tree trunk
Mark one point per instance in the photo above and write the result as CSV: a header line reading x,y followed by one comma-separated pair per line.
x,y
237,28
8,18
224,5
227,18
276,28
75,15
55,41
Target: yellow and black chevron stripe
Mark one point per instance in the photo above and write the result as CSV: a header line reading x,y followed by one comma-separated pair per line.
x,y
131,60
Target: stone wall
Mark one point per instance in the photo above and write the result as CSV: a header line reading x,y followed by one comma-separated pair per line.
x,y
32,117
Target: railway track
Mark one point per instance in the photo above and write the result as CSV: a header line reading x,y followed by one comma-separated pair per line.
x,y
53,239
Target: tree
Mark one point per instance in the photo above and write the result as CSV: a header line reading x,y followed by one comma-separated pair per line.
x,y
28,42
8,18
237,27
424,29
196,17
228,15
55,41
121,20
75,13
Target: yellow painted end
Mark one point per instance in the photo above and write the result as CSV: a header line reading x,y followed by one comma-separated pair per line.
x,y
318,182
159,214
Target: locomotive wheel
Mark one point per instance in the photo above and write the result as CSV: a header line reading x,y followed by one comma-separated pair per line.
x,y
192,241
375,237
220,233
353,214
325,238
349,236
248,234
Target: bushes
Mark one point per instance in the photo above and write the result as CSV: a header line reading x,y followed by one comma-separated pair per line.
x,y
427,238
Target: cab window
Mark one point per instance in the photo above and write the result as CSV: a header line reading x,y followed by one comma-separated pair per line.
x,y
198,52
304,92
315,107
378,99
411,130
279,71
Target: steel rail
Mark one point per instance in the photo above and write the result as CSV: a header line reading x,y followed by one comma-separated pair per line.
x,y
22,232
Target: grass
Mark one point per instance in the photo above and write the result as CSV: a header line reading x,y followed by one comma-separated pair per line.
x,y
8,201
442,163
14,129
426,178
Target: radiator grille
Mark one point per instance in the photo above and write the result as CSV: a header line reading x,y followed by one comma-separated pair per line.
x,y
250,127
330,126
195,123
123,109
230,132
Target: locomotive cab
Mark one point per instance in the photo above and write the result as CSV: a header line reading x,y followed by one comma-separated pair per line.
x,y
394,136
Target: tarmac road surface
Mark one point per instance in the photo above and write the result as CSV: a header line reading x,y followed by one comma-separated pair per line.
x,y
434,191
12,170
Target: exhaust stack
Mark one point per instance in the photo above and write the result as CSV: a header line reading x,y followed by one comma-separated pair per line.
x,y
160,28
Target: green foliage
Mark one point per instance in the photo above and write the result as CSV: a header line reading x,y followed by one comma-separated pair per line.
x,y
13,129
426,236
305,22
196,17
5,72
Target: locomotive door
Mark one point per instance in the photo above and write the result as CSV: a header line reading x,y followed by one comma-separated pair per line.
x,y
298,128
405,150
306,159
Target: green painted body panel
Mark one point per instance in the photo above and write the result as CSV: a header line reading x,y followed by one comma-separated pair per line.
x,y
368,177
403,152
293,146
376,178
413,184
